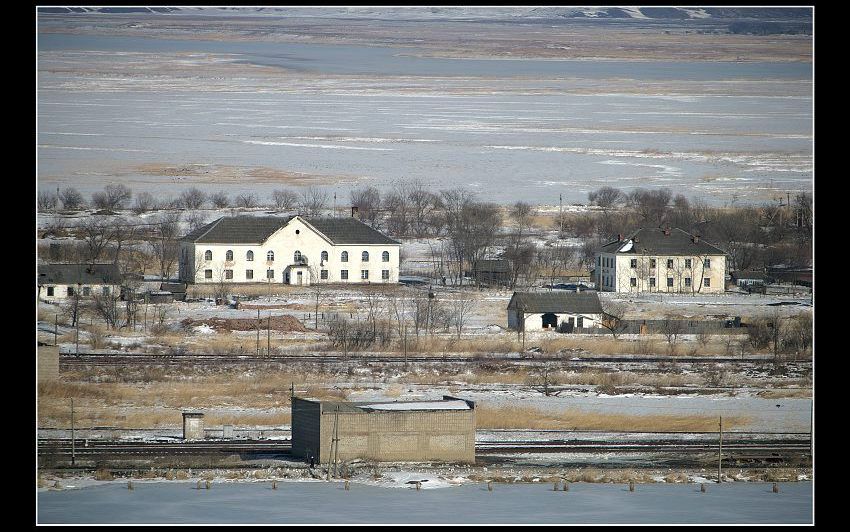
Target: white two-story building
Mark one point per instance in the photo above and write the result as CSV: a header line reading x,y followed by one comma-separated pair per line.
x,y
293,250
660,260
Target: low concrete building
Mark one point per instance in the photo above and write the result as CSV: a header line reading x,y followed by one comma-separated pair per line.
x,y
403,431
751,278
495,272
47,366
58,282
537,311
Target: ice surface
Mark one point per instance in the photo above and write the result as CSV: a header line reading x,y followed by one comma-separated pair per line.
x,y
329,502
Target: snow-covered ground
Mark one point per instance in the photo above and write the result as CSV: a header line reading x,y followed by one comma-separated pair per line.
x,y
312,502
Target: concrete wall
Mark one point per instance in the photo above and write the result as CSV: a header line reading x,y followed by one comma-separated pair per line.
x,y
534,321
47,365
388,436
284,243
60,291
193,427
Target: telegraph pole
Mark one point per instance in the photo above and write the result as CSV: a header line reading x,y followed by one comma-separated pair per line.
x,y
720,452
73,447
259,322
55,327
269,335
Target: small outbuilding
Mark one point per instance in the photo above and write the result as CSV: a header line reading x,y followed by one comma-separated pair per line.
x,y
558,310
57,282
401,431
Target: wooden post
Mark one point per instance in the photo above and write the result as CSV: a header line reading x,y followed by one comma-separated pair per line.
x,y
336,439
258,332
73,448
274,484
269,335
720,453
55,327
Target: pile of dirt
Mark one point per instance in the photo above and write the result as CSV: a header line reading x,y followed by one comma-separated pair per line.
x,y
276,323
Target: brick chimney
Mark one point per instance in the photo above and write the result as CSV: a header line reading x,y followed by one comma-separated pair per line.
x,y
666,231
354,212
696,239
619,237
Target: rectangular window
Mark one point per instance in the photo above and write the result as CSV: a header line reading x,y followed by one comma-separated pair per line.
x,y
652,282
580,321
106,290
207,274
669,282
228,274
385,274
687,282
70,291
669,263
249,274
269,274
706,264
364,274
343,274
687,263
50,290
86,290
633,263
324,274
707,282
633,281
652,263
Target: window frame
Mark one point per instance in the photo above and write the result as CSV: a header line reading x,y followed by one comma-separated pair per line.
x,y
208,274
385,275
228,274
249,256
249,274
323,274
385,256
343,274
670,283
208,255
228,255
364,256
364,275
343,257
270,256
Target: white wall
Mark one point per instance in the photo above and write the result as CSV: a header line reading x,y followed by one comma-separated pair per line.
x,y
60,291
295,236
534,321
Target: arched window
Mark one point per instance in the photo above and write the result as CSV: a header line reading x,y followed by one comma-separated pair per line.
x,y
297,258
208,255
365,256
324,255
385,256
344,257
270,256
228,255
250,256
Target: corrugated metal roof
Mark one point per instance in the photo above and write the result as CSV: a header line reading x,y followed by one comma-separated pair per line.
x,y
652,240
78,274
572,302
348,231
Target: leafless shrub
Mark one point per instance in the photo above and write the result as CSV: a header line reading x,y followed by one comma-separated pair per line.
x,y
144,203
193,198
714,375
758,333
47,200
113,197
220,199
284,200
71,198
246,200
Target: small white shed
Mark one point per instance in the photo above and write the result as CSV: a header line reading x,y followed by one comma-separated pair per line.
x,y
537,311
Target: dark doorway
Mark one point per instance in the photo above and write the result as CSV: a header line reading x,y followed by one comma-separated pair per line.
x,y
550,320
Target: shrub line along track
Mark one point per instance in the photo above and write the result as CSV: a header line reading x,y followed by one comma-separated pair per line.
x,y
111,359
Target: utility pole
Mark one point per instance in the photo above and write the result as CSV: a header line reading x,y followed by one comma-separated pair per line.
x,y
55,327
316,322
269,335
73,447
720,453
258,332
78,335
336,439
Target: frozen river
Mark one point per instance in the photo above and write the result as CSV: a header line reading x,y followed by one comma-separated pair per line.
x,y
320,502
113,108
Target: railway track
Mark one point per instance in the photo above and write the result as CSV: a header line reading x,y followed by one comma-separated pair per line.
x,y
83,448
110,359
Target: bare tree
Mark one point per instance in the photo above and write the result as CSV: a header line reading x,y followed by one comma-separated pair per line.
x,y
368,203
71,199
193,198
671,328
423,209
460,308
246,200
518,251
541,379
97,233
47,200
607,197
163,241
195,220
398,208
144,203
651,205
106,306
554,258
312,202
113,197
284,200
220,199
613,314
